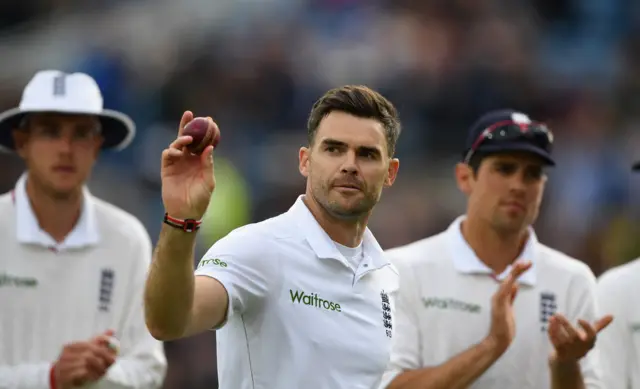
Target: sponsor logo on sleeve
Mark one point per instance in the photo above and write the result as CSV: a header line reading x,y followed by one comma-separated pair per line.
x,y
215,262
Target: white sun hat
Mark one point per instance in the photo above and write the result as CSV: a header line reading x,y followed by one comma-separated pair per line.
x,y
74,93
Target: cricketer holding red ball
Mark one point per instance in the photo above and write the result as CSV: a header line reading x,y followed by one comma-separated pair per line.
x,y
301,300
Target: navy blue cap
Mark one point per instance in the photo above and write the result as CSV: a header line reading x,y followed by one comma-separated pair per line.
x,y
498,146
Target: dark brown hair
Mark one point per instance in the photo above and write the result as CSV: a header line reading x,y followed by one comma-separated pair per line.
x,y
359,101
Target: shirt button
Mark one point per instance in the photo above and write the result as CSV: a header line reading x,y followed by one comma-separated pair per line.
x,y
366,265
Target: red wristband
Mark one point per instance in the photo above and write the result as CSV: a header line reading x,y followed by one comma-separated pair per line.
x,y
52,377
187,225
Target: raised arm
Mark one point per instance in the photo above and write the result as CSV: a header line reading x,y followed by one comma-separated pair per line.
x,y
176,305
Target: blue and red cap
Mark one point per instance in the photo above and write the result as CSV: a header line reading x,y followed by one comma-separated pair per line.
x,y
508,131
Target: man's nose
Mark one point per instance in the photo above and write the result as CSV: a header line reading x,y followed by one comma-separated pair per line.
x,y
349,164
518,182
64,143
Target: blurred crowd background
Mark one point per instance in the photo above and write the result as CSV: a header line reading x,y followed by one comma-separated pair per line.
x,y
257,66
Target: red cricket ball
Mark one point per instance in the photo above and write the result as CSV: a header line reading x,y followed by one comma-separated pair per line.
x,y
203,132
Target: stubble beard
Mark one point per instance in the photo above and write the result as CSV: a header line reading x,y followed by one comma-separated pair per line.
x,y
356,212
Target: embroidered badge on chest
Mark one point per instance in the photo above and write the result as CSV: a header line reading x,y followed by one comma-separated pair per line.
x,y
386,313
107,278
548,308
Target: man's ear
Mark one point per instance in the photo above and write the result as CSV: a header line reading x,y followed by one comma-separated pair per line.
x,y
465,177
392,172
303,155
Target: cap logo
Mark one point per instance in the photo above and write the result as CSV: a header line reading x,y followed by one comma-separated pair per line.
x,y
59,85
520,118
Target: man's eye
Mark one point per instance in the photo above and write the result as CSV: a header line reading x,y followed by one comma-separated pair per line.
x,y
82,134
50,131
535,174
506,169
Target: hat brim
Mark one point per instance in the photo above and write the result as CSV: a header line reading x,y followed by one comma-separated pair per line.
x,y
506,147
118,130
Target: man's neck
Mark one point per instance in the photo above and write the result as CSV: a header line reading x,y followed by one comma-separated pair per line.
x,y
346,232
496,250
57,216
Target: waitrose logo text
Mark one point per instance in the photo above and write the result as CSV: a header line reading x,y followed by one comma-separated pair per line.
x,y
312,299
215,261
20,282
449,303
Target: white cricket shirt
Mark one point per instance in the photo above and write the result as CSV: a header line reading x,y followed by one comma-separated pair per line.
x,y
444,308
299,315
54,294
619,343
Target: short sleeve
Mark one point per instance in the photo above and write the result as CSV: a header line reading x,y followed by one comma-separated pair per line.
x,y
615,341
406,350
582,304
242,264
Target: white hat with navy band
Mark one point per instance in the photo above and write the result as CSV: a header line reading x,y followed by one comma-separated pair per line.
x,y
74,93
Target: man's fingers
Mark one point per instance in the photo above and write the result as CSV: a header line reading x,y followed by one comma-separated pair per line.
x,y
519,268
79,378
568,329
76,373
187,116
103,340
554,331
107,354
516,271
603,323
96,365
181,142
100,349
514,293
207,156
104,337
559,333
173,153
589,331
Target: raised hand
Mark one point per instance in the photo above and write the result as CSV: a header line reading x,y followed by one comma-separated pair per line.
x,y
187,179
503,325
571,343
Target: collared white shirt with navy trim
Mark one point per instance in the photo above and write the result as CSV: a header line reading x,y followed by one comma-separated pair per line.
x,y
299,315
53,294
443,307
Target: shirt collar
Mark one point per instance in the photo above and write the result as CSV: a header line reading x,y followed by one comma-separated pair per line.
x,y
466,261
85,232
323,246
